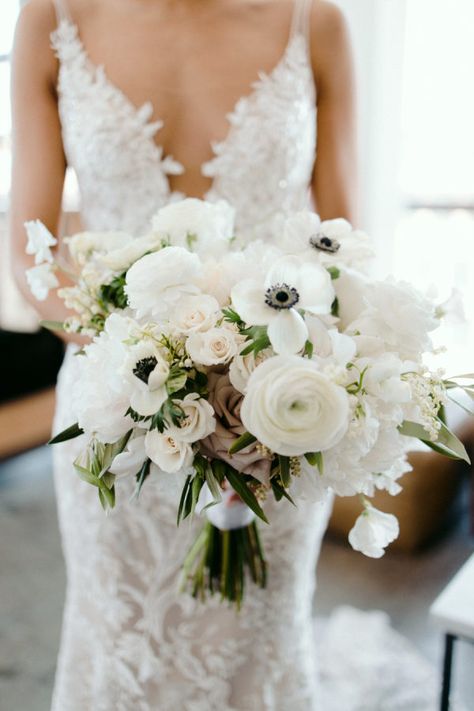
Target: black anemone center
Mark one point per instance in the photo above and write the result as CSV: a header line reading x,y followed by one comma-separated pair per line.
x,y
324,243
281,296
144,367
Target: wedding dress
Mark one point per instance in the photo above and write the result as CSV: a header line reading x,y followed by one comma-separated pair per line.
x,y
131,641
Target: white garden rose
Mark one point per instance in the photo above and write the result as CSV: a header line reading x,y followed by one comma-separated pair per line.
x,y
40,241
203,227
195,313
156,283
373,531
199,421
242,367
213,347
292,408
41,279
168,453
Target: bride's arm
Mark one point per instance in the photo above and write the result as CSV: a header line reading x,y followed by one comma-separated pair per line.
x,y
335,184
38,157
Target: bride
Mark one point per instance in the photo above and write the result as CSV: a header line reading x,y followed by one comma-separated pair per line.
x,y
150,100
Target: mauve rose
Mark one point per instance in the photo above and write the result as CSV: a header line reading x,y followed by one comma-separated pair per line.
x,y
226,401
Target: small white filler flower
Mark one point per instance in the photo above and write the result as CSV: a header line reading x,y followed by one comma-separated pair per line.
x,y
373,531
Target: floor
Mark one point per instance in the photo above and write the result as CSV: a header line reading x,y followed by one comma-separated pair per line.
x,y
32,587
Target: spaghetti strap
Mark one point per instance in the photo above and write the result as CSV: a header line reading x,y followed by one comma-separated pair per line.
x,y
300,23
62,11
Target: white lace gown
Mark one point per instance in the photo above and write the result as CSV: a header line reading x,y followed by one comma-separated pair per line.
x,y
130,640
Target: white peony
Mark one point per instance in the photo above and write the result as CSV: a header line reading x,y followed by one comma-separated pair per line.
x,y
40,241
100,394
195,313
373,531
203,227
156,283
146,371
199,423
400,315
292,408
124,256
213,347
168,453
41,279
289,285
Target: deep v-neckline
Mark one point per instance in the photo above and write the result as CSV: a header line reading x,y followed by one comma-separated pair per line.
x,y
145,113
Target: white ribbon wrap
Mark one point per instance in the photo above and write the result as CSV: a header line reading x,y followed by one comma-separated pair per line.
x,y
229,514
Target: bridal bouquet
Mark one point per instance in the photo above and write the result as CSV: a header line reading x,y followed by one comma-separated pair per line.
x,y
275,370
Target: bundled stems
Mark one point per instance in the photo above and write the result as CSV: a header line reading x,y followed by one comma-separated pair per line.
x,y
218,560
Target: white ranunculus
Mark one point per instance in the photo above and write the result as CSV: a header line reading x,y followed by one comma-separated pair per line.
x,y
168,453
131,459
373,531
195,313
40,241
292,408
400,315
124,256
289,285
242,367
227,515
41,279
146,372
203,227
84,244
156,283
213,347
101,396
199,423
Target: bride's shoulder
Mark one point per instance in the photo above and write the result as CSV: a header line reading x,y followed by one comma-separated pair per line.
x,y
330,40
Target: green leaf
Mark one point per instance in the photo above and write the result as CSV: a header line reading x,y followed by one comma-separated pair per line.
x,y
86,475
334,272
447,443
114,293
176,380
464,406
280,492
183,497
241,442
308,349
107,498
239,485
316,460
69,433
335,307
232,316
285,475
53,325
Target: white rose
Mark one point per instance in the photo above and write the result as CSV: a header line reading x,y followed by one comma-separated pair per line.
x,y
373,531
121,258
200,226
195,313
242,367
200,421
168,453
292,408
156,283
227,515
41,279
40,241
213,347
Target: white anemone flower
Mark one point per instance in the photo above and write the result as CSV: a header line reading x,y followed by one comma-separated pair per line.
x,y
290,285
146,371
